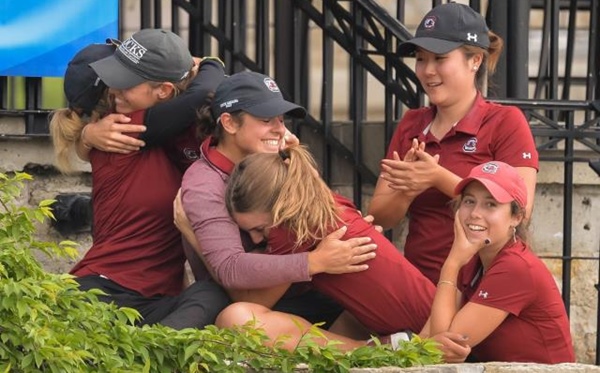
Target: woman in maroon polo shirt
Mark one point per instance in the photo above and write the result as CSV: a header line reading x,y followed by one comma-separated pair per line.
x,y
440,143
510,309
284,201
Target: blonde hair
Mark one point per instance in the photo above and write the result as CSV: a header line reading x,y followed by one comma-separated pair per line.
x,y
290,189
491,55
66,126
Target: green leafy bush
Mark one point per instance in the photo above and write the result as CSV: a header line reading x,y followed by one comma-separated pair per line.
x,y
48,325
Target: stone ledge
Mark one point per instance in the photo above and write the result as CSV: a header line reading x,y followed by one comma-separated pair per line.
x,y
488,368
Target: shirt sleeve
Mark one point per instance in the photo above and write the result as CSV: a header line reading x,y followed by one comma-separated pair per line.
x,y
221,244
173,117
513,141
507,285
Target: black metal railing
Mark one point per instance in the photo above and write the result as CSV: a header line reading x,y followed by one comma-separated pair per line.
x,y
337,58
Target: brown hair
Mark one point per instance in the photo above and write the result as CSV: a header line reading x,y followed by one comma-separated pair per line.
x,y
490,58
207,126
179,86
291,190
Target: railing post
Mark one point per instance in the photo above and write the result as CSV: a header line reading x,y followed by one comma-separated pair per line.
x,y
284,45
517,49
497,21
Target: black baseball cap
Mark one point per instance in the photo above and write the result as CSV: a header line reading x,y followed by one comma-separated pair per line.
x,y
447,27
253,93
148,55
83,88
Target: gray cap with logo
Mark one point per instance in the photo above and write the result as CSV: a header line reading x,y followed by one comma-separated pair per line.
x,y
447,27
148,55
253,93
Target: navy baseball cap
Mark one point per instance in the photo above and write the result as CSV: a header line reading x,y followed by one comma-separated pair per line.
x,y
148,55
83,88
253,93
447,27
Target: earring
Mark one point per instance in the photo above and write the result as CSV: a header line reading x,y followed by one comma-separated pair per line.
x,y
475,68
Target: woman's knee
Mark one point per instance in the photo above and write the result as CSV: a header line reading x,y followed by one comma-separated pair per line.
x,y
240,313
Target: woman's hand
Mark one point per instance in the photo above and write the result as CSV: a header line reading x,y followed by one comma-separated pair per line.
x,y
370,219
289,139
335,256
454,346
411,154
181,220
412,176
462,249
108,134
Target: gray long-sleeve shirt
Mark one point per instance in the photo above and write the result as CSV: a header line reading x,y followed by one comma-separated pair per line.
x,y
203,196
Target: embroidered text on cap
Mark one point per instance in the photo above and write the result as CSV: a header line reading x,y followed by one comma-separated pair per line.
x,y
133,50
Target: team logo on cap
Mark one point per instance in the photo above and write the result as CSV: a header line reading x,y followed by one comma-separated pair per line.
x,y
471,37
270,83
429,22
490,168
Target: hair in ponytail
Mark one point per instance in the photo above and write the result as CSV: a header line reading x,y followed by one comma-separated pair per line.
x,y
66,125
289,187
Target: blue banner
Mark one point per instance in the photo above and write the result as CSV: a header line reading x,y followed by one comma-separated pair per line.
x,y
39,37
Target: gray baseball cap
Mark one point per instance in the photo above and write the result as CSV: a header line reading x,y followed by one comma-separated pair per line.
x,y
148,55
253,93
447,27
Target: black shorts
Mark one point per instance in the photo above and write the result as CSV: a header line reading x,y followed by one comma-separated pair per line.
x,y
312,306
196,306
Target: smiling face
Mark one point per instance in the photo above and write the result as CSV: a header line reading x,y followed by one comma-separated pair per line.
x,y
482,217
250,135
446,78
257,224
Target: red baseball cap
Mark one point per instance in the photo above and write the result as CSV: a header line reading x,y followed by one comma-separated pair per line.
x,y
502,181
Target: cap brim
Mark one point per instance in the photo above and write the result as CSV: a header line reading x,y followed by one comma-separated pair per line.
x,y
433,45
495,190
114,74
275,108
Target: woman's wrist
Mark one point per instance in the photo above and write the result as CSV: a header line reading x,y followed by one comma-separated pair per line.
x,y
314,266
86,144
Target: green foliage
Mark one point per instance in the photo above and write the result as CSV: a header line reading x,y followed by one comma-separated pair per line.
x,y
48,325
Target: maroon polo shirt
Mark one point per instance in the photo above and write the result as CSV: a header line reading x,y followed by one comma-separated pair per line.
x,y
135,243
488,132
537,327
392,295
